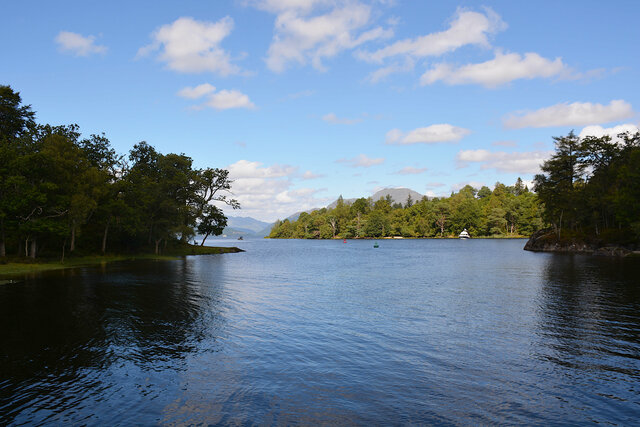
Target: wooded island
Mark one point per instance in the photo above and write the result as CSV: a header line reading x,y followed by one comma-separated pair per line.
x,y
588,193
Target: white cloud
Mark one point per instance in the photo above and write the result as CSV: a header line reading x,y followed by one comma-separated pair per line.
x,y
266,193
504,68
191,46
311,175
575,114
77,44
613,132
467,28
427,135
361,161
221,100
382,73
196,92
333,119
247,169
409,170
301,37
524,163
226,99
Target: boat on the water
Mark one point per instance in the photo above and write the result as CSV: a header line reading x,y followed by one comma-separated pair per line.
x,y
375,245
464,234
240,238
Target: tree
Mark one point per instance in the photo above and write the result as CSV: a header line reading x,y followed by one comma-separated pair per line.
x,y
556,187
15,121
212,222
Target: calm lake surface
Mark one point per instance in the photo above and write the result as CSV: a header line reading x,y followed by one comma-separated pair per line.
x,y
321,332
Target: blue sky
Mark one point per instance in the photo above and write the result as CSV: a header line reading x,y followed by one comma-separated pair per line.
x,y
304,100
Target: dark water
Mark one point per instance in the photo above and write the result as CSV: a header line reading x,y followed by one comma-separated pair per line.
x,y
321,332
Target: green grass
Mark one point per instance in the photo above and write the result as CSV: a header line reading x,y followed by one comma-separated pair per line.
x,y
19,266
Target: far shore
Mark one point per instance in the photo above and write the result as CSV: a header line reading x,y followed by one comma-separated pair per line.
x,y
14,267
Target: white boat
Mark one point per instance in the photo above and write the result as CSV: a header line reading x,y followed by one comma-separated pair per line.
x,y
464,234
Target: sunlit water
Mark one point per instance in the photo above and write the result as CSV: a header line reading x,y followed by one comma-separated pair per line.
x,y
311,332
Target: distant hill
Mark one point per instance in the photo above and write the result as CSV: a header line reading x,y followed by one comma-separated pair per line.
x,y
335,203
398,195
246,223
247,226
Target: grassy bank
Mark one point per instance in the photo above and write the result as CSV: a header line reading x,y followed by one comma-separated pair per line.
x,y
14,266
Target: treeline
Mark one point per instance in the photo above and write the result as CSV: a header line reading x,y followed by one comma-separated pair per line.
x,y
506,211
591,187
61,193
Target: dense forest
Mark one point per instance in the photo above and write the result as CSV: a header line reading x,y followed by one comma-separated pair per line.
x,y
508,211
61,193
591,188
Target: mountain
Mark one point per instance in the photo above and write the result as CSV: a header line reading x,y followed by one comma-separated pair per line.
x,y
247,226
335,203
398,195
246,223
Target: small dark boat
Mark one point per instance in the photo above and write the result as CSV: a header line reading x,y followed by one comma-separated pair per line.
x,y
240,238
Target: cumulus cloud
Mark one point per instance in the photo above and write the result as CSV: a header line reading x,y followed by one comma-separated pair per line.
x,y
467,28
504,68
220,100
575,114
524,163
311,175
409,170
613,132
266,193
302,37
333,119
190,46
427,135
361,161
77,44
196,92
382,73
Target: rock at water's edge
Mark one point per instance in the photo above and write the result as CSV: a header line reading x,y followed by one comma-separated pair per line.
x,y
547,241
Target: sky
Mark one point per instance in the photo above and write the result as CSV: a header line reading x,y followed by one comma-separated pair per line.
x,y
306,100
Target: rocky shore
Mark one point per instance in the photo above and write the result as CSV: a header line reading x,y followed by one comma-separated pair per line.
x,y
547,241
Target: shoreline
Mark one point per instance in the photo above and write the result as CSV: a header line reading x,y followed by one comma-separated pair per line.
x,y
15,267
408,238
546,241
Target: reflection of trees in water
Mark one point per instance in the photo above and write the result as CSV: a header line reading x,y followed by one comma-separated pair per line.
x,y
591,313
68,327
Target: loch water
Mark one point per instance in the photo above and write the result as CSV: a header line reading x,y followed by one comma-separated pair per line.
x,y
325,332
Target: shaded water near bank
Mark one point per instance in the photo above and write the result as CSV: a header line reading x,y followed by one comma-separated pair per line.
x,y
416,331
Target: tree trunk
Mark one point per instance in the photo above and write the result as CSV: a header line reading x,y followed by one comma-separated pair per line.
x,y
204,238
3,251
32,249
560,227
158,245
63,245
104,237
72,244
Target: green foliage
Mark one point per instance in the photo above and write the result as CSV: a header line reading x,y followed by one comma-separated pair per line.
x,y
59,192
592,186
484,213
